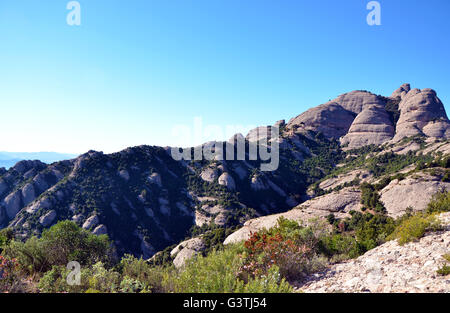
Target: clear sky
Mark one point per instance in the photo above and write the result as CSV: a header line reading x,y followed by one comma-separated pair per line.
x,y
133,70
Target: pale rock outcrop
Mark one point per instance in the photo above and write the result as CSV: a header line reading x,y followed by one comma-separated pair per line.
x,y
91,222
155,178
414,191
331,119
43,203
186,250
100,230
226,180
390,268
40,182
341,179
422,113
201,219
401,92
48,218
371,126
338,203
28,194
257,183
209,174
77,218
12,204
356,101
261,133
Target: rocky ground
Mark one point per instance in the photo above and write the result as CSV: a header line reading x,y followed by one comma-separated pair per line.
x,y
390,268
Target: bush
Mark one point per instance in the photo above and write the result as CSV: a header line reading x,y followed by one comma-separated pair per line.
x,y
440,202
93,279
288,246
414,227
66,241
218,272
371,199
151,277
62,243
340,247
9,275
445,269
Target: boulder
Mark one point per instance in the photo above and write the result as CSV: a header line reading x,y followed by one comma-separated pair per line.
x,y
209,174
357,101
12,204
414,191
401,92
100,230
91,222
371,126
186,250
28,194
226,180
422,113
331,119
48,218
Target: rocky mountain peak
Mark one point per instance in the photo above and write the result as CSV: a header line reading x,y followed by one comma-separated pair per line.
x,y
422,113
401,92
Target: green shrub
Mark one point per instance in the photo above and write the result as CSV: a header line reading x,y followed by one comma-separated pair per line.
x,y
217,272
151,277
340,247
414,227
62,243
444,270
440,202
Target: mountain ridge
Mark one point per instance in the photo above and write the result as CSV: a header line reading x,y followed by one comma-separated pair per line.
x,y
146,201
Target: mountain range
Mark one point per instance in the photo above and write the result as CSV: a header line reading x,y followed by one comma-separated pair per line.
x,y
148,202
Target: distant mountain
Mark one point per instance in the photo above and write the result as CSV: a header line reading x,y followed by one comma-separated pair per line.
x,y
9,159
146,201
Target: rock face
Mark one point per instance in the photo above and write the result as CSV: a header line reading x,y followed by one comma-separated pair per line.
x,y
338,203
390,268
186,250
371,126
331,119
91,222
100,230
357,101
209,174
401,92
12,204
422,113
413,191
47,219
226,180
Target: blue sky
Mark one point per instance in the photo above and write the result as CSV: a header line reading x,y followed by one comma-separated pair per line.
x,y
135,69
